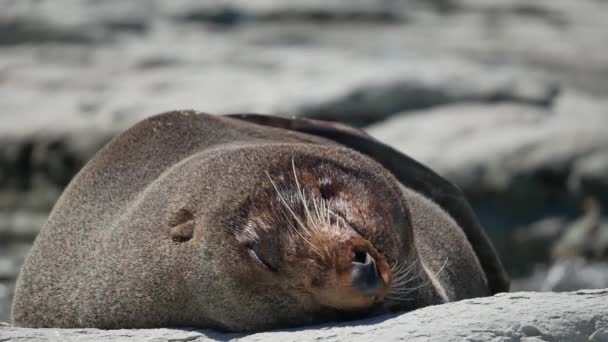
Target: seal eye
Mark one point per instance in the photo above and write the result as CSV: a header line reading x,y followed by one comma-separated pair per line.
x,y
327,188
252,249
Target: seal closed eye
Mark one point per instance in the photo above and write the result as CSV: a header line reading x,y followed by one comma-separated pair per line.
x,y
247,223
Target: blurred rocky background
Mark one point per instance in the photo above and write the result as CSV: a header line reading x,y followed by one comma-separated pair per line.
x,y
508,99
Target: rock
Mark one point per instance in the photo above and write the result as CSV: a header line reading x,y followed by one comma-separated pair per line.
x,y
407,56
512,151
70,22
565,275
579,237
576,273
7,290
522,316
517,88
20,226
428,56
487,148
9,267
527,245
455,84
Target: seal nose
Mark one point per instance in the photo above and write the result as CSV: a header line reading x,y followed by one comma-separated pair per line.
x,y
366,278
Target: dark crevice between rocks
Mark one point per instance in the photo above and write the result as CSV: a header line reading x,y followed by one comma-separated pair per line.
x,y
494,10
325,16
52,160
371,104
223,16
129,26
228,16
19,31
33,172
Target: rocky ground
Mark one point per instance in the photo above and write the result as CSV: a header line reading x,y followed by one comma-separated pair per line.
x,y
507,99
521,316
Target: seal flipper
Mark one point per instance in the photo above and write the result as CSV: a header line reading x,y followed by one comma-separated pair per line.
x,y
412,174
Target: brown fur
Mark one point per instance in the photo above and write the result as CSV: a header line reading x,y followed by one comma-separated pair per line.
x,y
189,219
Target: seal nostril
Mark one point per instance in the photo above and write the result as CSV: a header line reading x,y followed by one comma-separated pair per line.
x,y
361,257
365,274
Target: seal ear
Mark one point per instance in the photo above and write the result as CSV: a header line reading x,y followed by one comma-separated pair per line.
x,y
411,174
182,226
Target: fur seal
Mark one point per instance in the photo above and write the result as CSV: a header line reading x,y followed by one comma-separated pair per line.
x,y
250,222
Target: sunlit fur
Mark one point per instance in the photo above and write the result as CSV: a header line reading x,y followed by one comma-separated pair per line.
x,y
190,219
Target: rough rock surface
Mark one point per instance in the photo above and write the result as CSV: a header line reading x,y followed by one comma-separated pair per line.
x,y
74,73
521,316
487,147
566,275
514,92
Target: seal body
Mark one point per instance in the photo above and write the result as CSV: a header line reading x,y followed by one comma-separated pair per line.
x,y
246,223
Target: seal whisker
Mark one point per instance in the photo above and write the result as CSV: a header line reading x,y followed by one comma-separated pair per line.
x,y
328,212
401,278
404,291
398,296
316,207
405,272
442,266
293,214
407,277
401,272
322,215
301,194
315,224
285,202
303,237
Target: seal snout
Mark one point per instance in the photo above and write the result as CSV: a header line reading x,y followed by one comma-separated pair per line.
x,y
365,275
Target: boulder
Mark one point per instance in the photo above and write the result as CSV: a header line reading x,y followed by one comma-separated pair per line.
x,y
487,148
521,316
517,88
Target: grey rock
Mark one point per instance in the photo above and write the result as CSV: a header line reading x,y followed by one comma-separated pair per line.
x,y
505,98
488,146
20,225
434,57
565,275
576,273
579,237
376,101
522,316
7,289
9,267
69,21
